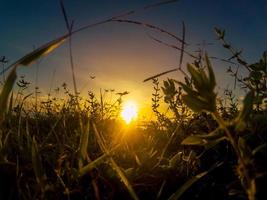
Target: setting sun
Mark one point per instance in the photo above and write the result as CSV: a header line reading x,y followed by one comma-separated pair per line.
x,y
129,111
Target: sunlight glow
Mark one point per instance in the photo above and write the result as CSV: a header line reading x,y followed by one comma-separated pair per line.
x,y
129,111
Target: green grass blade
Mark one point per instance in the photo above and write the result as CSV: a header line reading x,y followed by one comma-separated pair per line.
x,y
114,165
176,195
84,143
34,55
86,169
6,91
37,165
123,179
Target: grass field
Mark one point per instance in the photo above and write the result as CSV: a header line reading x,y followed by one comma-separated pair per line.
x,y
78,147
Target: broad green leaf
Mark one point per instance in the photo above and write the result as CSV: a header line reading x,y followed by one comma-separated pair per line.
x,y
247,105
195,74
204,87
197,103
212,80
188,89
214,135
200,79
246,110
193,140
212,138
192,104
6,91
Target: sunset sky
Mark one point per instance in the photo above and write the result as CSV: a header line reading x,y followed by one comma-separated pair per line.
x,y
122,55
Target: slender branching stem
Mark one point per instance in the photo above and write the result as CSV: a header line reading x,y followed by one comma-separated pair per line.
x,y
223,126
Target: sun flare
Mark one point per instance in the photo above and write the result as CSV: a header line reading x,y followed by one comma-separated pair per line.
x,y
129,111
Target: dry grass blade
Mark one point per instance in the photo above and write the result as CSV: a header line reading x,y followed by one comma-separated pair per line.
x,y
172,46
124,14
149,26
223,60
159,4
65,15
69,28
150,6
182,48
161,74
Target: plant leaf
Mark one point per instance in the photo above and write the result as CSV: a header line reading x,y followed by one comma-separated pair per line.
x,y
246,110
41,51
212,138
212,80
37,165
194,103
160,74
83,146
6,91
86,169
176,195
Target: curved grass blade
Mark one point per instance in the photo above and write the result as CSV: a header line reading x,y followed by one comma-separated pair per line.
x,y
86,169
160,74
123,179
25,60
191,181
41,51
6,91
83,147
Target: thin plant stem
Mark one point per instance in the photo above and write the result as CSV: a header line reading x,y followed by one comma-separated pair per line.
x,y
232,140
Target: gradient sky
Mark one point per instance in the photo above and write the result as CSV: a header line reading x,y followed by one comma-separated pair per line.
x,y
122,55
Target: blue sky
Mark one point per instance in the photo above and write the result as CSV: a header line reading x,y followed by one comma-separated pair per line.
x,y
122,55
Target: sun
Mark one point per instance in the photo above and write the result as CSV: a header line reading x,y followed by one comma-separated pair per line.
x,y
129,111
